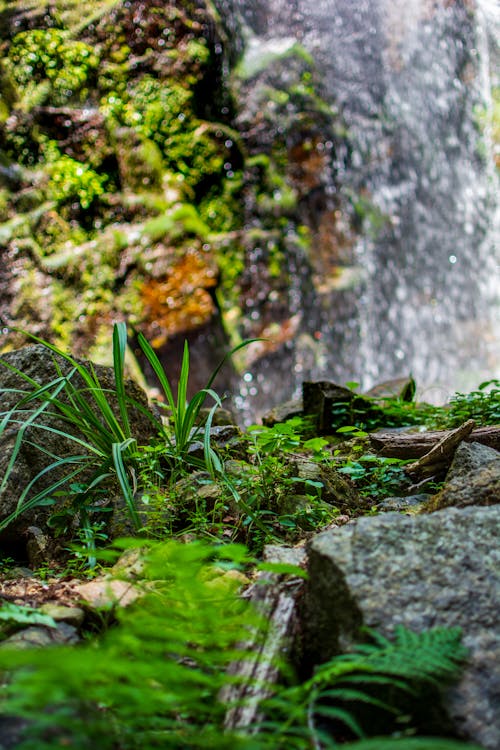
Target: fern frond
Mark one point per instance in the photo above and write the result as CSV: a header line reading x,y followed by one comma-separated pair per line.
x,y
409,743
431,656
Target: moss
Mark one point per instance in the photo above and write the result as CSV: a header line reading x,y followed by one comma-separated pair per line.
x,y
260,56
49,55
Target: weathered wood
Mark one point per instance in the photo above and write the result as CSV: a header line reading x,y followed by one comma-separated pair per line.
x,y
416,444
441,455
274,597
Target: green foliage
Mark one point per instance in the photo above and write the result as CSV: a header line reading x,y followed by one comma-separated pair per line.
x,y
15,615
103,441
365,415
183,416
48,54
283,505
183,219
376,477
152,681
106,451
307,714
482,405
163,113
72,181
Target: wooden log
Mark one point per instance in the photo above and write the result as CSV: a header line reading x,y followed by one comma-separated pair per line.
x,y
416,444
440,455
274,597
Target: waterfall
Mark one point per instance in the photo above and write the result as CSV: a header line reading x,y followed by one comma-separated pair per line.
x,y
412,80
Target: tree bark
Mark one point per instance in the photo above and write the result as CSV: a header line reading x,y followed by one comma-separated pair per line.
x,y
274,597
441,454
416,444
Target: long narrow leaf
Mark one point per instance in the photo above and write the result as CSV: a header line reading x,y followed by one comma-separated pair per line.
x,y
228,356
20,437
121,473
41,496
155,363
179,422
119,349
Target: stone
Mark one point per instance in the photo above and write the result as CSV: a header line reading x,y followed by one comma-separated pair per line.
x,y
472,479
337,490
402,389
72,615
39,636
438,570
107,593
471,457
282,412
409,503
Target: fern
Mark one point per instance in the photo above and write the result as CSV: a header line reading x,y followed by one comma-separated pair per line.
x,y
154,679
401,665
150,682
432,655
409,743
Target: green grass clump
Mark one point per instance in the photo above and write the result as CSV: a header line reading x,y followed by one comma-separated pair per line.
x,y
106,451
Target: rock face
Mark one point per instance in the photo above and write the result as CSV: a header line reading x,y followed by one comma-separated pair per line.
x,y
39,363
440,570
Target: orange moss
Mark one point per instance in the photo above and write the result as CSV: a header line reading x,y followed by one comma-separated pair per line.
x,y
179,301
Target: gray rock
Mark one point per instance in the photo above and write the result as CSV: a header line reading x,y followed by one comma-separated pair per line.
x,y
476,483
471,457
403,503
37,636
439,570
282,412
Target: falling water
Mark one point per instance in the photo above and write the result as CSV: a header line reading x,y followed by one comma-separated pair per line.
x,y
412,80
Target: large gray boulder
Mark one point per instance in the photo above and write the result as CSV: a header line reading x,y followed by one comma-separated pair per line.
x,y
438,570
40,446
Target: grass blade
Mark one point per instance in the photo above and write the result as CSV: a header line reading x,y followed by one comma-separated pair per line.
x,y
119,349
118,449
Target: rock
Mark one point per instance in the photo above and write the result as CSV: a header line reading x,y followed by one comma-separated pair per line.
x,y
41,443
438,570
336,489
334,406
412,502
222,437
72,615
221,416
399,388
38,636
130,565
107,593
471,457
274,595
282,412
472,479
